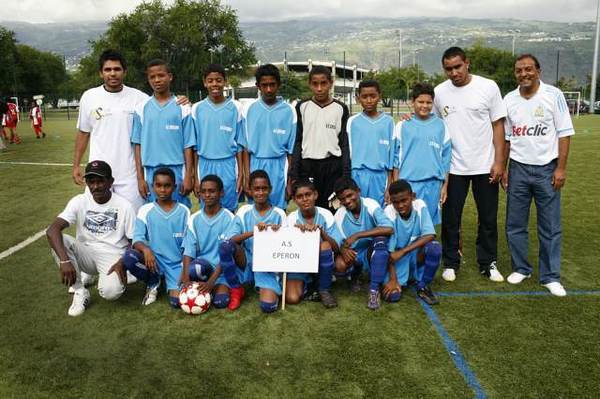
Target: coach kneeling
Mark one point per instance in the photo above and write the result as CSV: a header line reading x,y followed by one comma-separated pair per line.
x,y
104,223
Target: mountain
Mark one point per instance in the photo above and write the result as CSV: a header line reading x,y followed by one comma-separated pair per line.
x,y
368,42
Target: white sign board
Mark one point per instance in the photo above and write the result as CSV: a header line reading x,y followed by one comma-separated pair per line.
x,y
285,250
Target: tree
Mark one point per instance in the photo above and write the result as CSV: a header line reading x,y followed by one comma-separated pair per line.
x,y
494,64
293,86
39,72
568,84
187,34
396,83
7,60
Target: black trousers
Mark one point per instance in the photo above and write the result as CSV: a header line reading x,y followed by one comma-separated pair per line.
x,y
486,200
324,173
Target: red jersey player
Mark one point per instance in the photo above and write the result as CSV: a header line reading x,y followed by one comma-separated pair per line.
x,y
10,120
36,120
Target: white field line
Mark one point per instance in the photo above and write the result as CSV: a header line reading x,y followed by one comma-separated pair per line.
x,y
22,244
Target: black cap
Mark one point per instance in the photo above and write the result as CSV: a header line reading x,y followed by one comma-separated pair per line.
x,y
98,168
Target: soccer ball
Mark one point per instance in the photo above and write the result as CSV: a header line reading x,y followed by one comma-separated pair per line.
x,y
193,301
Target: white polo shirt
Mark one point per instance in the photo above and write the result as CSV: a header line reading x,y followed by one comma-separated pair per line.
x,y
108,117
469,112
534,125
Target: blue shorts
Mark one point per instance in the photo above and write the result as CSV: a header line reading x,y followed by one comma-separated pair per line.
x,y
372,183
406,268
172,275
268,280
429,191
226,169
276,168
179,171
221,280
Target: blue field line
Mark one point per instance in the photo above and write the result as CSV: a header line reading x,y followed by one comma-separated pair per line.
x,y
454,352
474,294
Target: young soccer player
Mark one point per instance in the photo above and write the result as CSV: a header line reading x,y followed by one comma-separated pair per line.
x,y
36,120
201,244
10,121
372,144
321,149
218,123
365,230
309,217
424,151
270,133
163,136
157,239
240,236
414,253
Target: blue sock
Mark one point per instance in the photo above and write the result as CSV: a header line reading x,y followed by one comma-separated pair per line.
x,y
134,263
378,263
325,269
174,302
200,270
226,251
268,307
221,300
433,254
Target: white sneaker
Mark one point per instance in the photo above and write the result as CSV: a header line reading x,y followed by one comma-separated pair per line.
x,y
449,275
81,300
517,278
151,295
556,288
495,274
131,279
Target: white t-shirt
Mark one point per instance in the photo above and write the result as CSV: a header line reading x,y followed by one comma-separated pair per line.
x,y
534,125
469,112
108,117
106,227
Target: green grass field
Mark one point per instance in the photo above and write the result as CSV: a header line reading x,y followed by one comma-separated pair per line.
x,y
484,339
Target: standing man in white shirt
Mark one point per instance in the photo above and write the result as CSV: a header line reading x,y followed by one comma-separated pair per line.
x,y
472,108
538,134
105,122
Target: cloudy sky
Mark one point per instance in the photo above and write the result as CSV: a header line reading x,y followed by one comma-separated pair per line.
x,y
257,10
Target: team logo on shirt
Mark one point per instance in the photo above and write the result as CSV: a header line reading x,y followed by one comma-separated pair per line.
x,y
434,144
537,130
226,128
172,127
101,222
384,142
98,113
331,125
539,112
279,131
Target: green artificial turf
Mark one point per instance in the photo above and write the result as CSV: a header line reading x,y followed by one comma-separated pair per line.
x,y
516,346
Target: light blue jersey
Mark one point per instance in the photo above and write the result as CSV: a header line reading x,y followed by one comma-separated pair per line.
x,y
219,137
270,132
323,217
407,231
372,151
245,219
203,236
163,132
163,233
424,149
371,216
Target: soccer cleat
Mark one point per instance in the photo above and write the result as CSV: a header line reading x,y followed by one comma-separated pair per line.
x,y
44,135
427,296
494,274
516,277
327,299
556,288
374,301
151,295
312,295
449,274
81,300
355,284
235,298
131,279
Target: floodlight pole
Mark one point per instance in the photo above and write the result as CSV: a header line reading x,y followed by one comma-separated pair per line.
x,y
595,64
